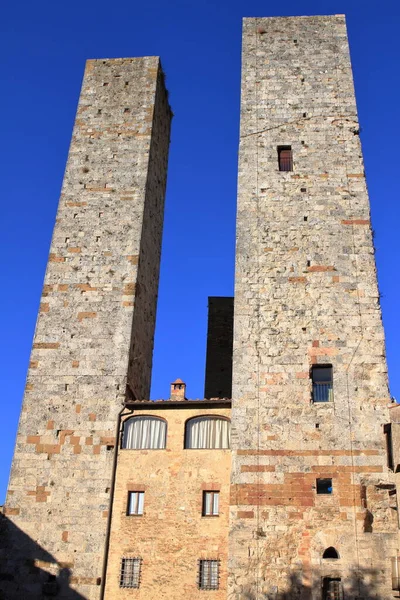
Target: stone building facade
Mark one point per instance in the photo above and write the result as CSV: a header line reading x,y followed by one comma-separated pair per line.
x,y
307,328
112,496
94,336
173,481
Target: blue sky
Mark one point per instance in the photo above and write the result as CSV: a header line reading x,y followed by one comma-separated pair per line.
x,y
44,45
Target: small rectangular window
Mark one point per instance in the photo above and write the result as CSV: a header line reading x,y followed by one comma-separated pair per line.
x,y
135,503
208,574
322,383
324,486
130,573
285,158
387,429
210,504
332,588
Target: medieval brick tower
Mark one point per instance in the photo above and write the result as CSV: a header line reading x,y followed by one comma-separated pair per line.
x,y
113,496
313,506
94,336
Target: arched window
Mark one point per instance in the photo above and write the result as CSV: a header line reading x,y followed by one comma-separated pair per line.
x,y
208,432
330,552
144,432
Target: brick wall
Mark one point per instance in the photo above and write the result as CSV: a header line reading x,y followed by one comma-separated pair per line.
x,y
172,535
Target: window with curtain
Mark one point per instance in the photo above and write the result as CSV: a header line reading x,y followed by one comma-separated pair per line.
x,y
144,433
207,432
135,503
210,504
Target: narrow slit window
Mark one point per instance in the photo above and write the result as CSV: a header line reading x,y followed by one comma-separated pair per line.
x,y
130,573
135,503
285,158
322,383
324,486
387,429
210,504
208,574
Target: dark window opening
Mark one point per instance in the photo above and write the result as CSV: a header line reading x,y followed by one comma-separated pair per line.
x,y
387,430
208,574
322,383
324,486
285,158
332,588
330,552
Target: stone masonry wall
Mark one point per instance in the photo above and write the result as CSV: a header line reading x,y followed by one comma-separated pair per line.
x,y
100,287
306,293
172,535
218,381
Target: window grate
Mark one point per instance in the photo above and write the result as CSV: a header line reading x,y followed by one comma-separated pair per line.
x,y
208,574
130,573
322,383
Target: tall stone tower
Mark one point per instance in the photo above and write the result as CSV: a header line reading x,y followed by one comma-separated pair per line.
x,y
94,336
313,503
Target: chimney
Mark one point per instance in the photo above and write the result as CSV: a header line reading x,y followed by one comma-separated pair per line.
x,y
178,389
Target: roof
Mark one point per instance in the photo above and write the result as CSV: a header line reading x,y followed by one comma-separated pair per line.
x,y
195,403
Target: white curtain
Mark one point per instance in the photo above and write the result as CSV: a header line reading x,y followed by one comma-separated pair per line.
x,y
136,503
211,503
208,432
144,432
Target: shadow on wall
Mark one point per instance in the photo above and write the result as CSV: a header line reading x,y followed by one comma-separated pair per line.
x,y
36,576
363,584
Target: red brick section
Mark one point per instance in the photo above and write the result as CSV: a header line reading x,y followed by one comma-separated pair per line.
x,y
320,269
257,468
310,453
86,315
46,345
54,258
297,279
11,511
40,493
245,514
355,222
298,489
